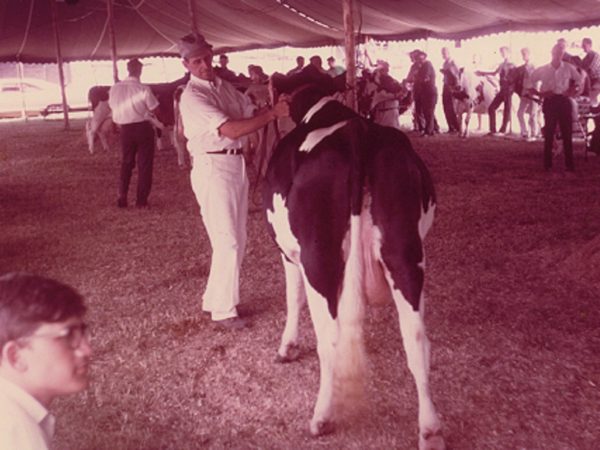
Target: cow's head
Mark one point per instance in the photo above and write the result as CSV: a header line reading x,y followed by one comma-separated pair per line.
x,y
305,88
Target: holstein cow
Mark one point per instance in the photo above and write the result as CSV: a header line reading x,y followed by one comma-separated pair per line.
x,y
349,203
100,125
472,94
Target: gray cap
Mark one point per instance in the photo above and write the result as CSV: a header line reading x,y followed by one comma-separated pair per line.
x,y
192,45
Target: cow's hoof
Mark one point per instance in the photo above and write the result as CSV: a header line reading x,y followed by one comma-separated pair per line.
x,y
321,428
432,440
292,354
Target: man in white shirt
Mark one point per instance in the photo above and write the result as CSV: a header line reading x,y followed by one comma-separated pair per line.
x,y
133,105
527,104
333,70
215,118
44,353
591,64
559,81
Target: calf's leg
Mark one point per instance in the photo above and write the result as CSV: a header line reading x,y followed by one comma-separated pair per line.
x,y
326,332
295,298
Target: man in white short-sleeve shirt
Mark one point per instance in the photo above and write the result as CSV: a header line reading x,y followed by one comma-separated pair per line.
x,y
216,117
559,82
133,105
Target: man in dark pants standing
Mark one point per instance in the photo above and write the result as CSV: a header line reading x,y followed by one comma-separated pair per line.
x,y
504,96
133,104
450,72
426,91
559,81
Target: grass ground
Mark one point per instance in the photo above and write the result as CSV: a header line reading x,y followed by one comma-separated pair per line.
x,y
513,286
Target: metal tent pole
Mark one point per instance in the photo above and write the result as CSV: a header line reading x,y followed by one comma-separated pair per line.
x,y
59,61
193,16
350,44
113,41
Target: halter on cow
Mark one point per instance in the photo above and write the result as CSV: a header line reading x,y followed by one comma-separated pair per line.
x,y
349,203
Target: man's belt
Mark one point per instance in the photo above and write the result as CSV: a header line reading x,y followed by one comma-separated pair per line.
x,y
226,151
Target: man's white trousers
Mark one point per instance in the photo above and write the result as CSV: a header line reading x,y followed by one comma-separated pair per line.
x,y
220,183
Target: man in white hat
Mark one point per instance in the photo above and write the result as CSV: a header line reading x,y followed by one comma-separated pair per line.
x,y
215,118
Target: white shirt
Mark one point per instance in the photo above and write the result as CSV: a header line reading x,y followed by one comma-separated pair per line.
x,y
555,80
24,423
205,106
131,101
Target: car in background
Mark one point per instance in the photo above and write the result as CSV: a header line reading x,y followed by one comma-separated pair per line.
x,y
33,96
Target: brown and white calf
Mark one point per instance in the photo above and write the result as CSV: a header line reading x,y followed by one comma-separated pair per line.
x,y
349,203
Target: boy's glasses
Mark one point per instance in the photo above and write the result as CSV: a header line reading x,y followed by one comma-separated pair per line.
x,y
73,335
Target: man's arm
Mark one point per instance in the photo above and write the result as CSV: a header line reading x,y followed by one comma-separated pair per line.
x,y
234,129
481,73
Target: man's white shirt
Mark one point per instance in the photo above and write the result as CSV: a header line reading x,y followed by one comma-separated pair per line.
x,y
205,106
131,101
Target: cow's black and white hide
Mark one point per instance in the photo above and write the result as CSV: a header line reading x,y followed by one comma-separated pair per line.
x,y
349,203
472,95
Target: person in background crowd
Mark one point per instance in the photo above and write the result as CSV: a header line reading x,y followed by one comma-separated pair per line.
x,y
567,57
591,64
527,104
216,119
450,72
418,120
133,105
333,70
387,110
317,63
299,66
261,142
559,81
223,72
44,354
426,91
504,96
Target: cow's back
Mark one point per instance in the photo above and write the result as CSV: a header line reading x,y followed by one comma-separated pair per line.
x,y
320,188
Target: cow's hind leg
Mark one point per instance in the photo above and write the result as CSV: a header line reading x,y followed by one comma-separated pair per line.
x,y
467,120
295,298
416,344
326,332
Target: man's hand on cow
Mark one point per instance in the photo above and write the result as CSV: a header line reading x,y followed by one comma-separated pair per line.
x,y
282,107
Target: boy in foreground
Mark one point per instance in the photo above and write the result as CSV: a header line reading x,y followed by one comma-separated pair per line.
x,y
44,353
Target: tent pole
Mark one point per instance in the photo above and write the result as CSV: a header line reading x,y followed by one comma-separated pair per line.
x,y
21,72
350,43
113,41
59,61
193,15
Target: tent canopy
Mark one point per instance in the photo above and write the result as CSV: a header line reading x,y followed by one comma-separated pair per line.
x,y
152,27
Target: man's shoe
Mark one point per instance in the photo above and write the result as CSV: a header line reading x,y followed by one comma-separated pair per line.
x,y
122,203
234,323
142,205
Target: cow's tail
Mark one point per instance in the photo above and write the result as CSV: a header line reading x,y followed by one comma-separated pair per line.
x,y
350,363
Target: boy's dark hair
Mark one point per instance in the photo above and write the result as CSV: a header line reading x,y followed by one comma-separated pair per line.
x,y
27,301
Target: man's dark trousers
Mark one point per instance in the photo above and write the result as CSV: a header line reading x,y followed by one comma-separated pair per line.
x,y
504,96
557,110
137,139
449,112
